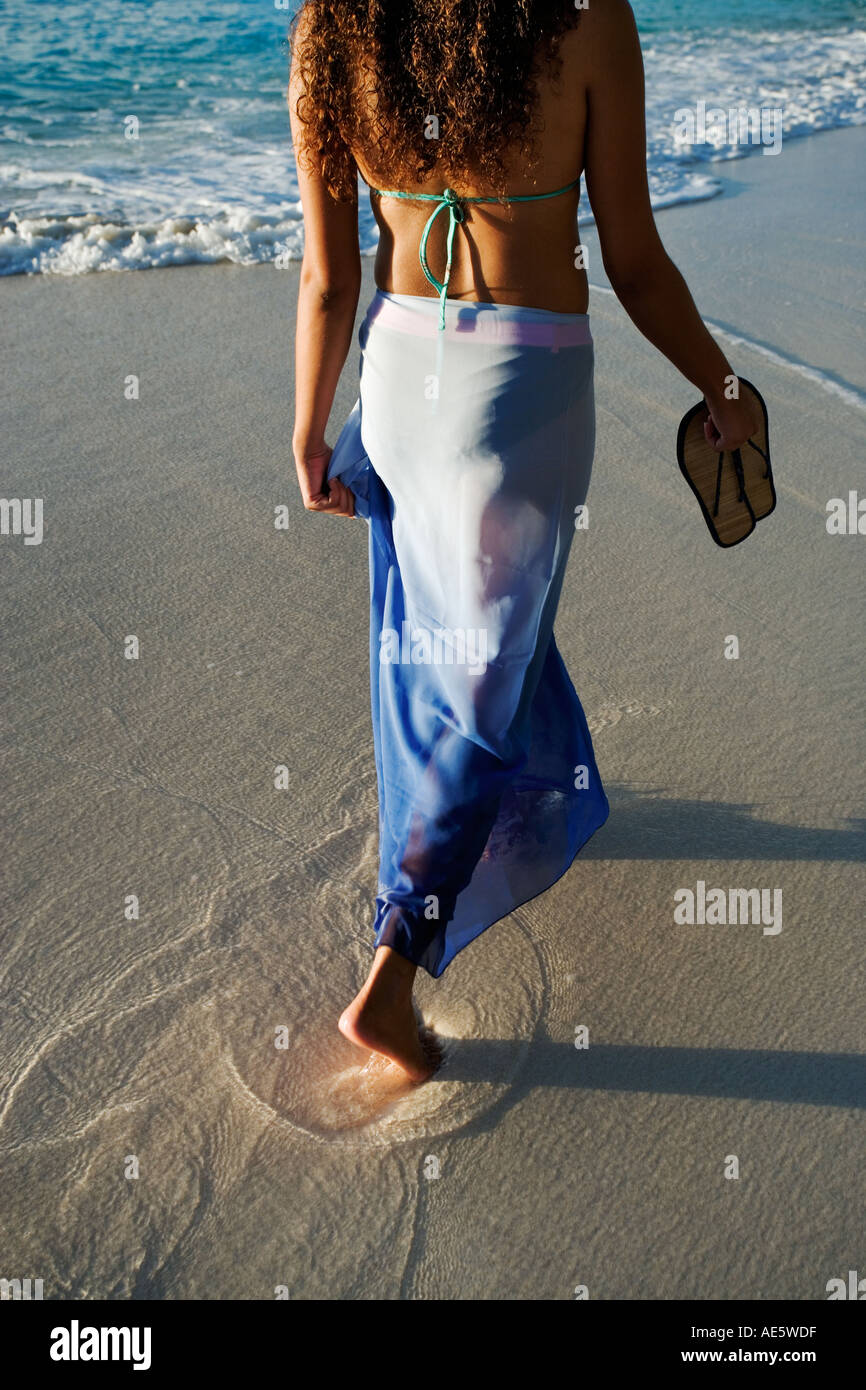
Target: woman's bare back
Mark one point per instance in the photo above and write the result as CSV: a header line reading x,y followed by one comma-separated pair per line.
x,y
522,253
590,119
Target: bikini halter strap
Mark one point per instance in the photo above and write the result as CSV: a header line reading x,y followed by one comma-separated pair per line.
x,y
455,205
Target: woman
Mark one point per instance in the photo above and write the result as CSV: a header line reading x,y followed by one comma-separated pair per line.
x,y
470,449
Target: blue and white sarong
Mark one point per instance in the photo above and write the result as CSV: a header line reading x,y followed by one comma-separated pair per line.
x,y
469,452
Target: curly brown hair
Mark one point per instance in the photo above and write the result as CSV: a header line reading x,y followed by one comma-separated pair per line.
x,y
373,72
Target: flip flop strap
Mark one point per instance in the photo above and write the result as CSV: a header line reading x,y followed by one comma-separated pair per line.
x,y
738,469
718,483
765,457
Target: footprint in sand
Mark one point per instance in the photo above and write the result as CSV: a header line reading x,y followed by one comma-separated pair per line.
x,y
610,714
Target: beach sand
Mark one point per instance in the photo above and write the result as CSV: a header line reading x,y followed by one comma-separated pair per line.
x,y
147,1043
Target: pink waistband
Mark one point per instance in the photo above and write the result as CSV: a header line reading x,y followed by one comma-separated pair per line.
x,y
489,323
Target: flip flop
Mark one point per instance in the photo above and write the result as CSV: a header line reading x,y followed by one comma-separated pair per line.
x,y
734,488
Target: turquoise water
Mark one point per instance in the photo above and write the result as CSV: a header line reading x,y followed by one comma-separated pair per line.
x,y
212,177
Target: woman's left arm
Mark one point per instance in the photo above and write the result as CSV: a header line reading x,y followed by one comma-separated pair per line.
x,y
330,284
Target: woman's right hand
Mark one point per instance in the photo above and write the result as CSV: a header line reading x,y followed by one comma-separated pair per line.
x,y
731,422
320,494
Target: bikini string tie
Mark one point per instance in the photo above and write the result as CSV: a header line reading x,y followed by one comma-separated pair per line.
x,y
456,214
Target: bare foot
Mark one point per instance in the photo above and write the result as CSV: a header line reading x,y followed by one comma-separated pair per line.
x,y
381,1019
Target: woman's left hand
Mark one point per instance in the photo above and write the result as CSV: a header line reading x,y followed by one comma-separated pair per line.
x,y
333,498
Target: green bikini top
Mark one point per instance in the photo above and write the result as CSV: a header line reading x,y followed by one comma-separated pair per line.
x,y
454,203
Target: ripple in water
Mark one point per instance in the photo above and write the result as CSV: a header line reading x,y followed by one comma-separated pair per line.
x,y
323,1087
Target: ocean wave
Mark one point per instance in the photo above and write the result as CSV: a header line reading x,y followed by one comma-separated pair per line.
x,y
75,245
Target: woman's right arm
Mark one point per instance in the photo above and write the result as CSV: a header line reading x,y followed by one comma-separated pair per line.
x,y
644,278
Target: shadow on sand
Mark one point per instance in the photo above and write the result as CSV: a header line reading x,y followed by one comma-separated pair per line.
x,y
646,825
803,1078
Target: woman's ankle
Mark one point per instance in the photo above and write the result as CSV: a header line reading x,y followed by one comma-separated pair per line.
x,y
392,973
